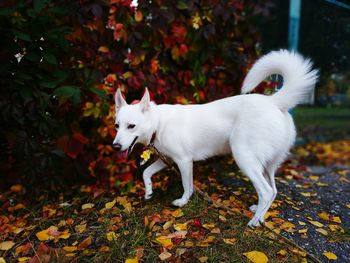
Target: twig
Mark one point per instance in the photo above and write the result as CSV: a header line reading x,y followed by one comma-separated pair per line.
x,y
218,204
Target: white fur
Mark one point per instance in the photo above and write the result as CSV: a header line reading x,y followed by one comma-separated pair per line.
x,y
257,129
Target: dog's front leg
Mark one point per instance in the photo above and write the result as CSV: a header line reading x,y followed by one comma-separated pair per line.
x,y
147,175
186,170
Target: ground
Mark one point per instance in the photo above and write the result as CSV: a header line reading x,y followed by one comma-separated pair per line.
x,y
90,224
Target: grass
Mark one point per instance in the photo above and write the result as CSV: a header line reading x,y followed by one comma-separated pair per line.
x,y
325,117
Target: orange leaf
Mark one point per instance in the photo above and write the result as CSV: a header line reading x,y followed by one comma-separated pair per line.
x,y
85,243
103,49
138,16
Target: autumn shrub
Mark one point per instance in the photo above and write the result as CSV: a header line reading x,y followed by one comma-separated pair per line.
x,y
65,59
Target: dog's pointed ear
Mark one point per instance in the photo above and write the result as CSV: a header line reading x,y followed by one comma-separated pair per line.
x,y
145,101
119,100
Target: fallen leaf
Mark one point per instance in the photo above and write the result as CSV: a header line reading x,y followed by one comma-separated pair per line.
x,y
132,260
81,227
230,241
70,248
348,205
109,205
308,194
336,219
330,255
282,252
168,224
322,231
85,243
316,223
324,216
87,206
165,255
111,236
203,259
209,226
256,256
165,242
23,259
48,234
6,245
177,213
2,260
180,227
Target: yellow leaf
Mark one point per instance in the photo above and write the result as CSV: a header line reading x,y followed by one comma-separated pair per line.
x,y
165,242
324,216
109,205
80,228
256,256
146,155
2,260
336,219
322,231
301,223
6,245
70,248
314,177
230,241
87,206
302,231
282,252
316,223
64,235
177,213
132,260
209,226
23,259
308,194
111,236
203,259
168,224
69,255
165,255
348,205
48,234
330,255
180,227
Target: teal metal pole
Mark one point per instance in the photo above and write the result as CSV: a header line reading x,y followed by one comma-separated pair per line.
x,y
294,18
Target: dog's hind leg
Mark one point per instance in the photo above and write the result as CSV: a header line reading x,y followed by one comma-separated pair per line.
x,y
186,170
252,168
147,175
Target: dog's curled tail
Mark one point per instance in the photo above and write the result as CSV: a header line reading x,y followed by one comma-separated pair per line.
x,y
297,73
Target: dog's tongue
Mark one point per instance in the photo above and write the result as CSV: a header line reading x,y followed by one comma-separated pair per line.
x,y
123,154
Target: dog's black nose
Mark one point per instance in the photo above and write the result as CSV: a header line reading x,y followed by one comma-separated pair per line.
x,y
116,146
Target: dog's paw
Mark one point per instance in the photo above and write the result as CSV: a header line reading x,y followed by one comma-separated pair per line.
x,y
180,202
148,196
254,222
253,208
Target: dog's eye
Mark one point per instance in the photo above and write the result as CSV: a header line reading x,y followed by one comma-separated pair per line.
x,y
131,126
117,126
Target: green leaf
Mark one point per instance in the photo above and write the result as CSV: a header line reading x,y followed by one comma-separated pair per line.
x,y
69,92
34,57
181,5
49,57
38,5
21,35
6,11
99,92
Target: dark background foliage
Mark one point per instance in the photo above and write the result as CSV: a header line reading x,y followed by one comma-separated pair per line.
x,y
63,60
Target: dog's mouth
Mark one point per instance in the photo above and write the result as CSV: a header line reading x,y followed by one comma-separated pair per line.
x,y
125,154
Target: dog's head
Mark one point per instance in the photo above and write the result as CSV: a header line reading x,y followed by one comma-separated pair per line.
x,y
133,123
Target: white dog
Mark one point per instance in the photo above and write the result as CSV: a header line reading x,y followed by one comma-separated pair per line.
x,y
257,129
